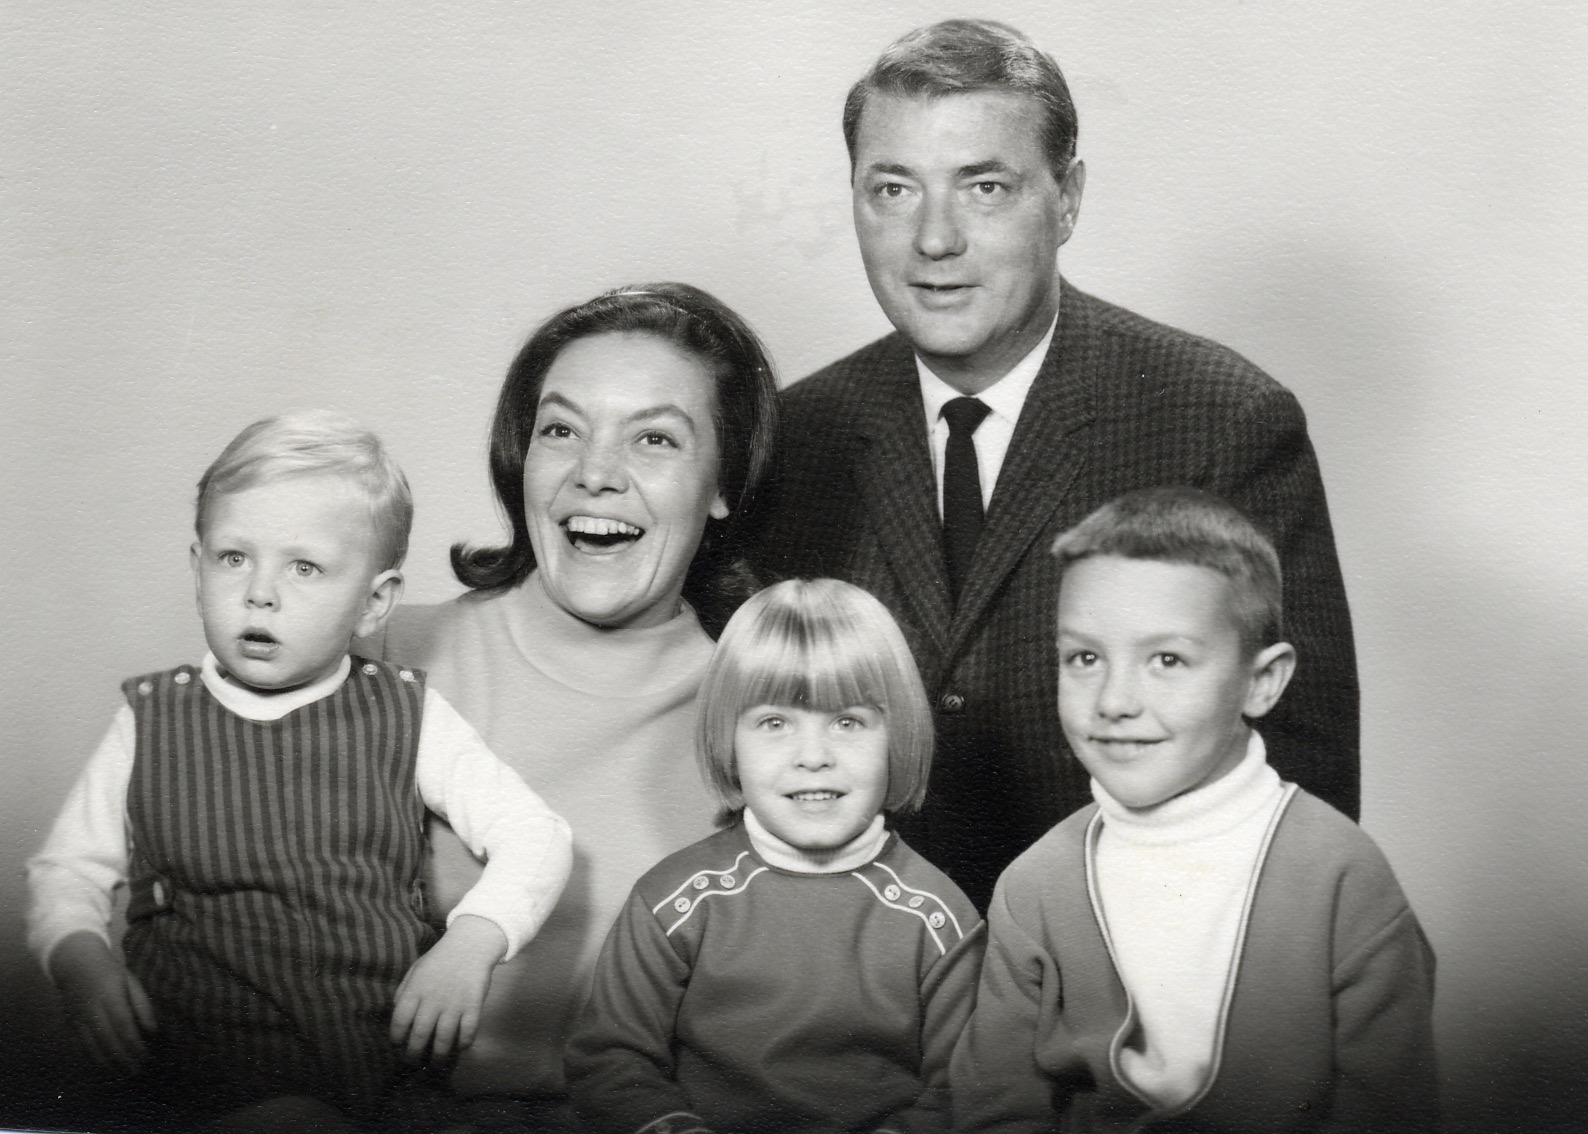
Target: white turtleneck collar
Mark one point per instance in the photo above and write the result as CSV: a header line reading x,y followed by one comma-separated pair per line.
x,y
256,706
1201,813
785,856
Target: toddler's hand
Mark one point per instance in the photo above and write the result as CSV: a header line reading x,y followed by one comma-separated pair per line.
x,y
105,1002
438,1002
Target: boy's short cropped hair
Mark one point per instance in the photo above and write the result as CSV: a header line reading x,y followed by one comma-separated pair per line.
x,y
305,442
1187,525
819,644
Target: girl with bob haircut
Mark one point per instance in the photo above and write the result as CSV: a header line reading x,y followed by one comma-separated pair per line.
x,y
802,968
819,644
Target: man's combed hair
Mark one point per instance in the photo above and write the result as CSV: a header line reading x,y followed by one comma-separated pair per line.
x,y
309,442
955,56
818,644
1188,525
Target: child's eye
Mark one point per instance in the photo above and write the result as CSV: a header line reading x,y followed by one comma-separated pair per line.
x,y
772,722
303,569
232,558
858,719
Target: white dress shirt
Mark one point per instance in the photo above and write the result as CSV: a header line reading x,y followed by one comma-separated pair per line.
x,y
1004,398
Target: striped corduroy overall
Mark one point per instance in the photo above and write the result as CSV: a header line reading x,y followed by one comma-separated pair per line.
x,y
275,882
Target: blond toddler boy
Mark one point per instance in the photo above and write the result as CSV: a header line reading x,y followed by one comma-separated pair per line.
x,y
265,811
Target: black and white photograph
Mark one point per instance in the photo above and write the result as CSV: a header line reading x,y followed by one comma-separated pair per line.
x,y
793,569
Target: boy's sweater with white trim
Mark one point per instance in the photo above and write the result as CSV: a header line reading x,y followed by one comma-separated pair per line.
x,y
1328,1026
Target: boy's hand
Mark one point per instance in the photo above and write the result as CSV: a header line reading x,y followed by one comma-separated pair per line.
x,y
438,1002
105,1002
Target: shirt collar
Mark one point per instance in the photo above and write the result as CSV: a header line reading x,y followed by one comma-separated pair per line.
x,y
1202,812
854,854
255,706
1004,397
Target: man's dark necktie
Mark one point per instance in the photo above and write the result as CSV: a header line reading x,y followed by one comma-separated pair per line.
x,y
962,510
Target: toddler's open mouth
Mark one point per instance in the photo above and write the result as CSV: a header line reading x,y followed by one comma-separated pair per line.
x,y
257,643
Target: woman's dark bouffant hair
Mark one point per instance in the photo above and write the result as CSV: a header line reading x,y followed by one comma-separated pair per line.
x,y
719,578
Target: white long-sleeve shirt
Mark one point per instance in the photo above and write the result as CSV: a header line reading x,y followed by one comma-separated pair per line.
x,y
527,846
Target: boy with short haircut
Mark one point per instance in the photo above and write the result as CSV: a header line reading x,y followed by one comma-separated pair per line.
x,y
1206,947
266,811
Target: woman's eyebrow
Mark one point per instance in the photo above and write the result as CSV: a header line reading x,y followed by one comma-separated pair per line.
x,y
644,413
668,411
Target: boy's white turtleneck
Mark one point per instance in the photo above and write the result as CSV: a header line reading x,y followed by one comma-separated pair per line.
x,y
1173,881
786,856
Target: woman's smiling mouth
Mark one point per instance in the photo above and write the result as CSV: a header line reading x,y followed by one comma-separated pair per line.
x,y
599,534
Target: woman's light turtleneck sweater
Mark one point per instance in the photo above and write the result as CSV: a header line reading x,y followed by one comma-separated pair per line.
x,y
1173,882
600,723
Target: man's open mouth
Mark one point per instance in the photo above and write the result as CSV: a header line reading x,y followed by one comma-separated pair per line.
x,y
598,533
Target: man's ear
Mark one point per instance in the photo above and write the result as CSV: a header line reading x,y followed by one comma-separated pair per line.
x,y
384,591
1071,186
1272,670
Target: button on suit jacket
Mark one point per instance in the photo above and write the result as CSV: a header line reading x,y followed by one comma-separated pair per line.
x,y
1120,403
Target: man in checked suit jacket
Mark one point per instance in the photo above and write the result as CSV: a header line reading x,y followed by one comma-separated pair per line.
x,y
965,184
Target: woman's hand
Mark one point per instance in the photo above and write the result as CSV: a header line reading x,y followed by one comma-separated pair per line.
x,y
438,1002
105,1002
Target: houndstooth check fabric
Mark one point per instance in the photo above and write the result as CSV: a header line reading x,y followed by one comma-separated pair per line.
x,y
1120,403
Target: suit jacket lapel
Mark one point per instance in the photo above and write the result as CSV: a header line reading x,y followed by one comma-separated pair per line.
x,y
1044,456
899,488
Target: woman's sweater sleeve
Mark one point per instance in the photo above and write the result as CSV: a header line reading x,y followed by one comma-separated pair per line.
x,y
620,1057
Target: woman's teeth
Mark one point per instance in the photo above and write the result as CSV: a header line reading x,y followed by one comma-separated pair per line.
x,y
813,796
600,531
600,526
